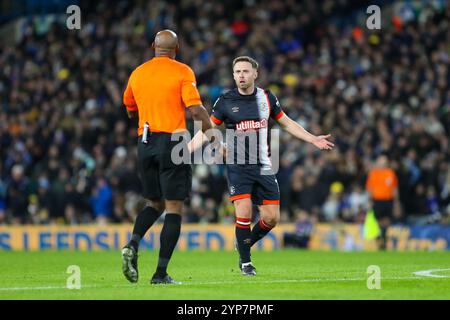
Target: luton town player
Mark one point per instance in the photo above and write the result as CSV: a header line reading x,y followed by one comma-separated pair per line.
x,y
248,109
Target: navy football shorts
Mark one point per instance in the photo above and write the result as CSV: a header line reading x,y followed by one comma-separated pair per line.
x,y
247,181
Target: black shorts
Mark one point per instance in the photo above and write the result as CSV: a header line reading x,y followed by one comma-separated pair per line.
x,y
161,178
383,209
247,181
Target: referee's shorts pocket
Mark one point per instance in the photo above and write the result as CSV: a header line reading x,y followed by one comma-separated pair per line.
x,y
173,154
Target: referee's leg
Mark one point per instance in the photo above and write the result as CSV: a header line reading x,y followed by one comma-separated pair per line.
x,y
176,183
145,219
148,169
383,213
168,239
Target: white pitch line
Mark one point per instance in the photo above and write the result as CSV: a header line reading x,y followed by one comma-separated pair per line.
x,y
58,288
209,283
297,281
39,288
428,273
30,288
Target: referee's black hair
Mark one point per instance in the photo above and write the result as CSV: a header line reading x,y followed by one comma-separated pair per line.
x,y
252,61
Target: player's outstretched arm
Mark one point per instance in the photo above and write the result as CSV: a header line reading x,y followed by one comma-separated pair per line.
x,y
299,132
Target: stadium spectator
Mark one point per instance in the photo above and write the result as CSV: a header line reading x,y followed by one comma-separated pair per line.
x,y
102,201
382,186
18,195
376,91
334,203
303,228
2,198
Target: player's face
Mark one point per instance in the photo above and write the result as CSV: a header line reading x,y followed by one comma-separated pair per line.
x,y
244,74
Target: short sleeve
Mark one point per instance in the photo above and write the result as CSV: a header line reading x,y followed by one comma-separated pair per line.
x,y
275,108
394,180
189,92
128,97
217,111
369,183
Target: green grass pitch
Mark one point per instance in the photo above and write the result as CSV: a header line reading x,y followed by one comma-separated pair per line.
x,y
282,274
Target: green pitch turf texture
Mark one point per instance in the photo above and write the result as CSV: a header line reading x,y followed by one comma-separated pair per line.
x,y
283,274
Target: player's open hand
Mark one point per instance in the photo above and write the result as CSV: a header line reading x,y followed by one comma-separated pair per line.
x,y
322,143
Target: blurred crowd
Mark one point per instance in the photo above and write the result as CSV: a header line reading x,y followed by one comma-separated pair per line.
x,y
68,150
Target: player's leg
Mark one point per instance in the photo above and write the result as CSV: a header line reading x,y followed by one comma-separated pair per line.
x,y
269,217
267,196
240,183
243,210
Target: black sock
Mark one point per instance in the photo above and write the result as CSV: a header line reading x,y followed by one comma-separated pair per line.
x,y
145,219
169,238
243,237
383,239
259,231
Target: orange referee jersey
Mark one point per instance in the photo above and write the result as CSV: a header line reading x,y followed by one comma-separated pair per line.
x,y
381,183
160,90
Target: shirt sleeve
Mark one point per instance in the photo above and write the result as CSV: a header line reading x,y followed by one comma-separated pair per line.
x,y
189,92
128,97
369,183
394,180
275,108
217,111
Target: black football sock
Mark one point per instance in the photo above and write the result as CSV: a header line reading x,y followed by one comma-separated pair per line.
x,y
243,237
169,238
259,231
145,219
383,239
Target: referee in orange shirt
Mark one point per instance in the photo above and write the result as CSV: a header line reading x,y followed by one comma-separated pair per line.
x,y
382,185
157,94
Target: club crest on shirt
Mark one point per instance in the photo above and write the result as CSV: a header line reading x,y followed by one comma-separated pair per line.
x,y
232,190
235,109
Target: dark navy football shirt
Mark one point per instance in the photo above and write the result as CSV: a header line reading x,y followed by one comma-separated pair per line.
x,y
248,117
